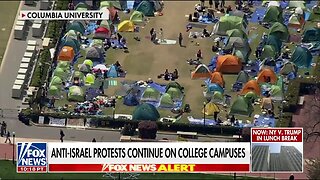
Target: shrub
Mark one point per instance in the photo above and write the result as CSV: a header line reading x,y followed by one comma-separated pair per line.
x,y
148,130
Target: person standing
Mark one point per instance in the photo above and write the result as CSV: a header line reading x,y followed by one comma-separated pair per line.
x,y
180,39
202,3
151,31
94,140
61,135
4,124
223,3
119,38
161,35
8,137
216,4
291,177
210,3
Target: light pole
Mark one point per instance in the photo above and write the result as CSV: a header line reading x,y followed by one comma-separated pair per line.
x,y
13,140
204,114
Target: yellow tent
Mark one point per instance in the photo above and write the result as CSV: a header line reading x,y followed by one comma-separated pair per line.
x,y
126,26
210,109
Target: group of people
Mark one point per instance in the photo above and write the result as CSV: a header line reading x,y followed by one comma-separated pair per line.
x,y
5,133
94,107
169,76
153,35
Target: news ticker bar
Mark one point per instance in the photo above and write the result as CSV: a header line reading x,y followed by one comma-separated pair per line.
x,y
64,15
276,134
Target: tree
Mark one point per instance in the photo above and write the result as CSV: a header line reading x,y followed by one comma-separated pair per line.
x,y
312,126
127,130
313,167
148,130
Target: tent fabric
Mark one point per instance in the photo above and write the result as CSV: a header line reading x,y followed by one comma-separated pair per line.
x,y
280,31
56,81
239,44
174,85
90,79
131,100
81,6
228,64
311,35
216,77
295,4
102,30
71,42
84,68
175,93
105,24
273,14
76,26
54,91
66,54
137,17
88,62
274,3
251,96
251,85
78,74
76,94
228,23
112,72
106,4
97,43
217,97
202,71
302,57
241,55
213,87
166,101
59,72
150,94
146,8
276,92
275,42
126,26
265,74
145,111
210,109
296,21
268,51
299,11
63,65
71,34
243,77
241,106
237,33
93,53
287,68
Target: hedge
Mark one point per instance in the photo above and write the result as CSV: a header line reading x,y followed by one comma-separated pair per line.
x,y
38,77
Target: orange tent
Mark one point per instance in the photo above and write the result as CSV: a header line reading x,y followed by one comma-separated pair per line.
x,y
251,85
66,54
228,64
216,77
202,71
267,75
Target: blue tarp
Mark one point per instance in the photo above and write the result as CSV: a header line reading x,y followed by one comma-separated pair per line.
x,y
91,27
131,100
158,87
258,14
262,121
208,122
213,63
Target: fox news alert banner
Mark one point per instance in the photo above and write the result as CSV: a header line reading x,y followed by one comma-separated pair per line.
x,y
134,157
64,15
276,134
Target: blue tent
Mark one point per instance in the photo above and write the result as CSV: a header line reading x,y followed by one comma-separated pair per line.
x,y
214,87
131,100
112,72
213,63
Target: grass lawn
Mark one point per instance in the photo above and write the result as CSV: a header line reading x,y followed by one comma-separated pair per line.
x,y
8,171
8,11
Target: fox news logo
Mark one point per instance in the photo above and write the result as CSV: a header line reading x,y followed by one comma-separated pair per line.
x,y
32,157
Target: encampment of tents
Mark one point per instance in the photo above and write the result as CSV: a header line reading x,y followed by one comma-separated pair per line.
x,y
301,57
76,26
228,64
216,77
273,14
66,54
150,94
241,106
280,31
137,17
311,35
146,112
210,109
94,54
126,26
228,23
267,75
251,85
201,72
76,94
166,101
146,8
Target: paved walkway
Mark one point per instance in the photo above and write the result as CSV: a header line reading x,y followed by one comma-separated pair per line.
x,y
11,63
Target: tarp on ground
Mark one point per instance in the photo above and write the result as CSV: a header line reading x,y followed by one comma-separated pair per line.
x,y
202,71
273,14
311,35
76,26
126,26
137,17
241,106
213,87
243,77
76,94
267,74
175,93
150,94
146,7
228,64
251,85
145,111
302,57
166,101
228,23
280,31
210,109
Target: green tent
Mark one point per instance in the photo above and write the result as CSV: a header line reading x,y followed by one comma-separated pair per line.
x,y
243,77
241,56
228,23
56,81
241,106
175,93
97,43
78,74
276,93
145,111
239,44
137,17
268,51
105,24
89,79
166,101
76,94
280,31
294,4
146,8
302,57
273,14
311,35
150,94
59,72
107,4
174,85
237,33
54,91
76,26
287,68
71,34
275,42
84,68
251,96
71,42
217,97
63,65
88,62
81,7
